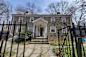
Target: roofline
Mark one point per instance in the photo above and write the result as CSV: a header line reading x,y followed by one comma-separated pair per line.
x,y
46,15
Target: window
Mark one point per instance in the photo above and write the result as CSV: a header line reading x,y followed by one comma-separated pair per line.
x,y
31,19
52,19
17,28
30,28
53,29
63,19
64,30
20,19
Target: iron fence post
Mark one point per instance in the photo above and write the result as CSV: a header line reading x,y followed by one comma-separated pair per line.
x,y
1,39
73,52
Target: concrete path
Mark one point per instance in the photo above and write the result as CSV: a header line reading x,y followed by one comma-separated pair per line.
x,y
31,50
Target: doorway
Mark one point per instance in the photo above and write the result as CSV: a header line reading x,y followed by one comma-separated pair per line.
x,y
41,31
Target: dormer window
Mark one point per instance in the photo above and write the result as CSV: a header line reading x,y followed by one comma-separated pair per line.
x,y
52,19
31,19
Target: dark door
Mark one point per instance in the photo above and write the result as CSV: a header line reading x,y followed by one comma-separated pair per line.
x,y
41,31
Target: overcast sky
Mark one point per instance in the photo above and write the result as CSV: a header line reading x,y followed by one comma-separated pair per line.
x,y
40,3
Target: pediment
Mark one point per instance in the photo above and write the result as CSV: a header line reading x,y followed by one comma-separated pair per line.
x,y
40,20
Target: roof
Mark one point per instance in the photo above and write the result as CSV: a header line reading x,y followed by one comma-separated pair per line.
x,y
35,15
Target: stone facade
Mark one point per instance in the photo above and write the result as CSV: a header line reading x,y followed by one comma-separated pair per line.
x,y
37,27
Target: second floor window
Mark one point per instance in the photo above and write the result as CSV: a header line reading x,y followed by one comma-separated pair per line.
x,y
63,19
20,19
31,19
52,19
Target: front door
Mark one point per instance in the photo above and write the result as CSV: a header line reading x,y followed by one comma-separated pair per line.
x,y
41,31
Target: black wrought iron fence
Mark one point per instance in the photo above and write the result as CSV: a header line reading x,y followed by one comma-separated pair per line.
x,y
70,41
7,33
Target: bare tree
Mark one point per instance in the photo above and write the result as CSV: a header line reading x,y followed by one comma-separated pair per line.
x,y
21,9
5,10
58,7
78,11
31,7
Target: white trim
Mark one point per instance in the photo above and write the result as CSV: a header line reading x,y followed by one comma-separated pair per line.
x,y
40,19
52,28
31,19
53,19
20,19
63,19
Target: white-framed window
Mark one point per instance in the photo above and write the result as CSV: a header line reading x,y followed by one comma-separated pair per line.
x,y
20,19
64,30
63,19
31,19
17,28
53,19
30,28
53,29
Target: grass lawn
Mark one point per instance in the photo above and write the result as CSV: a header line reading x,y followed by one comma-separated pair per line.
x,y
66,50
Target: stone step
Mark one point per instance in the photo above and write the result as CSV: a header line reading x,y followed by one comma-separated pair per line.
x,y
38,42
38,39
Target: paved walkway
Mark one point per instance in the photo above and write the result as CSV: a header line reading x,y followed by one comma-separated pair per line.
x,y
40,50
31,50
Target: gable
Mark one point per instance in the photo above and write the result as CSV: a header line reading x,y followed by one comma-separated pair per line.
x,y
40,20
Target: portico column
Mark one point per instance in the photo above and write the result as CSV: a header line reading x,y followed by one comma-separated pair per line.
x,y
33,30
45,31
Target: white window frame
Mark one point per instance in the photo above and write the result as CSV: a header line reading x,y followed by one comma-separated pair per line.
x,y
64,30
17,28
53,19
54,28
31,18
30,27
63,19
20,19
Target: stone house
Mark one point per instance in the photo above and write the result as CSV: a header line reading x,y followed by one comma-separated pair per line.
x,y
42,26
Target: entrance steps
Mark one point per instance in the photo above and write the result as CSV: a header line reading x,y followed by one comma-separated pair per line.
x,y
39,41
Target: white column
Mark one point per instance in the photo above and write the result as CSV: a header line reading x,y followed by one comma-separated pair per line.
x,y
33,30
46,31
36,31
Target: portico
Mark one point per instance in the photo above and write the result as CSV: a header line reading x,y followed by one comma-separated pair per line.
x,y
40,28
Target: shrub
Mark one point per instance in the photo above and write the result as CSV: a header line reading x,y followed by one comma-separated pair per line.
x,y
22,37
28,33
